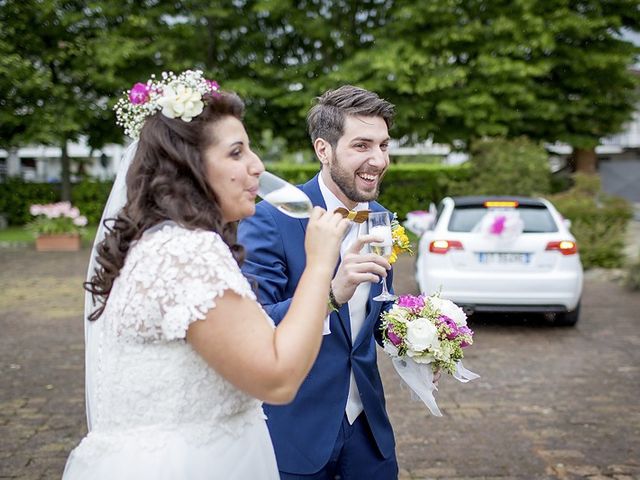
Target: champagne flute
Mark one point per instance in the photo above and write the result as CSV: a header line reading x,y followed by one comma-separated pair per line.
x,y
379,225
287,198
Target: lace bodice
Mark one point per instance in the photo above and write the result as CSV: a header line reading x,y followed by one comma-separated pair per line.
x,y
148,375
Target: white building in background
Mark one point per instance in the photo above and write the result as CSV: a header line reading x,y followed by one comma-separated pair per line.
x,y
41,163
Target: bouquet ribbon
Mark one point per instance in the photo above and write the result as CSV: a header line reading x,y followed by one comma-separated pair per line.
x,y
419,378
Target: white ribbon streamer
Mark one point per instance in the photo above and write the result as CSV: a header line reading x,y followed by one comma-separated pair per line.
x,y
462,374
419,378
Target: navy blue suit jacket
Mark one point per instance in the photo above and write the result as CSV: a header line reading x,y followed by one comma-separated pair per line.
x,y
304,432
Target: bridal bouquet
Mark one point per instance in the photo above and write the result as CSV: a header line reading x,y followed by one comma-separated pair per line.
x,y
424,335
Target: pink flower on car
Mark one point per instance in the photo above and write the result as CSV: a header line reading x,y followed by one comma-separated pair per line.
x,y
497,226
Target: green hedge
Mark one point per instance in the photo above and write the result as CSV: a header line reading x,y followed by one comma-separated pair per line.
x,y
16,196
90,197
598,221
405,188
507,167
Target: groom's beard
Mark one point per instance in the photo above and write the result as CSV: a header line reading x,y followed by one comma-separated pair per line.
x,y
347,183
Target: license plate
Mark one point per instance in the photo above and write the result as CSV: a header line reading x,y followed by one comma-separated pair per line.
x,y
504,258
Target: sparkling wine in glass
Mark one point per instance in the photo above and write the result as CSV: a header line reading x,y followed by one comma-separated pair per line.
x,y
379,225
285,197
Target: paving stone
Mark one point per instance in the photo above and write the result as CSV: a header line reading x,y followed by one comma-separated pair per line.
x,y
551,404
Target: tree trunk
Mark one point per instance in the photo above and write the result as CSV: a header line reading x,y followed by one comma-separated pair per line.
x,y
585,160
66,172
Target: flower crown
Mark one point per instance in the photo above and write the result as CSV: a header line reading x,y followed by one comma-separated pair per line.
x,y
178,96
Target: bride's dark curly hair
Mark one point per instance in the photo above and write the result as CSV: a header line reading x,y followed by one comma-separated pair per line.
x,y
167,180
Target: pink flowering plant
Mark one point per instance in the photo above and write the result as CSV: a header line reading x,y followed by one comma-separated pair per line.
x,y
56,218
425,335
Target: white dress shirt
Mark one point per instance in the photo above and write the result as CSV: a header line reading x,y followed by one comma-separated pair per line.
x,y
357,304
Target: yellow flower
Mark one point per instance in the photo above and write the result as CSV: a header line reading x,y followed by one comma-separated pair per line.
x,y
401,242
394,255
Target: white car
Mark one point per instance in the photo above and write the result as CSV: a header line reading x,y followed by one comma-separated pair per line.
x,y
502,254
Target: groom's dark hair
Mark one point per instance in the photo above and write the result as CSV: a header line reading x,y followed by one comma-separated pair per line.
x,y
326,118
167,180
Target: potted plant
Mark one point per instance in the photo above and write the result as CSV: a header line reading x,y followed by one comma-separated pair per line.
x,y
57,226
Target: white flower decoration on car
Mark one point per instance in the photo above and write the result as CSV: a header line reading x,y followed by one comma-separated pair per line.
x,y
180,101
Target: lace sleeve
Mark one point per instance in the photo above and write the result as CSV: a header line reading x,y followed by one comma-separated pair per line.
x,y
175,276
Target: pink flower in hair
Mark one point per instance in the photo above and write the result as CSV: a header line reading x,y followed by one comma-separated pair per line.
x,y
139,94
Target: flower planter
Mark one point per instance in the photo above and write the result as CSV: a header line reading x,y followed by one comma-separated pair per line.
x,y
63,242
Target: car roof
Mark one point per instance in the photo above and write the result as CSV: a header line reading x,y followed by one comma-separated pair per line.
x,y
478,200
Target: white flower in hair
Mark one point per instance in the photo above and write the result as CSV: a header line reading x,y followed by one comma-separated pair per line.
x,y
180,101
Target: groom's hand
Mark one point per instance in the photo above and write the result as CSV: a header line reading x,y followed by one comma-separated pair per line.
x,y
356,268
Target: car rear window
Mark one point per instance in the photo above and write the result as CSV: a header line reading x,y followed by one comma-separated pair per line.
x,y
536,219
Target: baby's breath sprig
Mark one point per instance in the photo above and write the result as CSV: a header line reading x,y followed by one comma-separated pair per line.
x,y
176,96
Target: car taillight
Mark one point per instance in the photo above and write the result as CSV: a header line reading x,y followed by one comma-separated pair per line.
x,y
566,247
443,246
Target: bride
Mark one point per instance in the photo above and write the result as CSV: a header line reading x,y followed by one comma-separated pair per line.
x,y
179,353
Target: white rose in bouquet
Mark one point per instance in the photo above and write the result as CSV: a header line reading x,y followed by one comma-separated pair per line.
x,y
421,335
449,309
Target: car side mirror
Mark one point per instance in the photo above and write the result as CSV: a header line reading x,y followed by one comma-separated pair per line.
x,y
567,222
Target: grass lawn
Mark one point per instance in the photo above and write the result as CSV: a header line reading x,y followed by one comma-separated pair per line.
x,y
21,235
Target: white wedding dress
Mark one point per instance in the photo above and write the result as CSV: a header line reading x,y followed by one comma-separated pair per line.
x,y
161,412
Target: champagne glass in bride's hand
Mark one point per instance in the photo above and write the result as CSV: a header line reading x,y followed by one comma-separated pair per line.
x,y
379,225
287,198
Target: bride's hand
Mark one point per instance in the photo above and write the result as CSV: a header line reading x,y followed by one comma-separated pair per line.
x,y
325,232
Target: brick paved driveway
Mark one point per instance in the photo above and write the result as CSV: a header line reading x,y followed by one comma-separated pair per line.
x,y
551,403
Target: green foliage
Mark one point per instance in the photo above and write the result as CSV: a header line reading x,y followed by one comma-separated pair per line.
x,y
632,280
459,69
408,187
42,225
15,235
456,69
507,167
16,196
598,221
271,148
91,197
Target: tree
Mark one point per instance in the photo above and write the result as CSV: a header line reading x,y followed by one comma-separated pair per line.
x,y
66,58
275,53
554,70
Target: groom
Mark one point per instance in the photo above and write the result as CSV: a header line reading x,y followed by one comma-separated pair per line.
x,y
337,424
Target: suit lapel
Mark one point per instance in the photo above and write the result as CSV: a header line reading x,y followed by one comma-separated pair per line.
x,y
312,189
